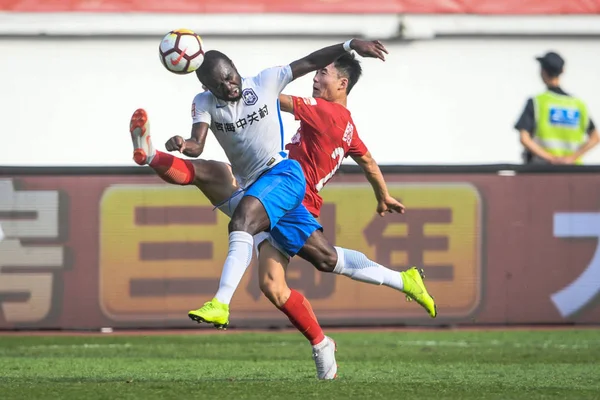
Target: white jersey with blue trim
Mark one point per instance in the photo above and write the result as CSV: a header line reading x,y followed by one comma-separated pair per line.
x,y
249,130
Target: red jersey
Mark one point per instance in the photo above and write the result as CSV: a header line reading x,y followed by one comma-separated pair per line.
x,y
326,136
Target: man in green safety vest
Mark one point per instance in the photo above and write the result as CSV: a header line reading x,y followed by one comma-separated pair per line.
x,y
555,128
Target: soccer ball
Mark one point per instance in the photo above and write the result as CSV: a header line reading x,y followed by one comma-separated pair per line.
x,y
180,51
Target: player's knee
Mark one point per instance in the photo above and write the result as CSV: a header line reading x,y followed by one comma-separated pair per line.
x,y
319,252
249,216
240,223
326,260
269,288
276,292
246,223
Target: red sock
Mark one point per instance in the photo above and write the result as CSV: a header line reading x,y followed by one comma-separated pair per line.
x,y
172,169
301,315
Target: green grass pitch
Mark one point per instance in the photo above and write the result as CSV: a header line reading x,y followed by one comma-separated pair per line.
x,y
444,364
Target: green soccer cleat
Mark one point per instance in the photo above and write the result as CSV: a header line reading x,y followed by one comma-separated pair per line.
x,y
415,289
212,312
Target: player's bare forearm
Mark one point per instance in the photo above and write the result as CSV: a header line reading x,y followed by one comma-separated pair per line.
x,y
373,174
322,58
535,148
286,104
316,60
194,146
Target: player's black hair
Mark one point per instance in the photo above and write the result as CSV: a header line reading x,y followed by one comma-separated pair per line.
x,y
349,67
211,59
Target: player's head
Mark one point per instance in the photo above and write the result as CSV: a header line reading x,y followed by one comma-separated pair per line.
x,y
552,66
218,74
336,80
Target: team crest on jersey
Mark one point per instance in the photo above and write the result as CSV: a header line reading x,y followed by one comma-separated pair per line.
x,y
348,133
250,98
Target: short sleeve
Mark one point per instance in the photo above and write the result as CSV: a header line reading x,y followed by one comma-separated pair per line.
x,y
311,111
591,126
357,146
276,78
201,108
526,121
317,113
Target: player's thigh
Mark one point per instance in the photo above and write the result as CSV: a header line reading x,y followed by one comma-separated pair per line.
x,y
294,229
215,179
279,190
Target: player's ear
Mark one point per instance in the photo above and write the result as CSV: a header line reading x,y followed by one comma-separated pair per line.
x,y
344,84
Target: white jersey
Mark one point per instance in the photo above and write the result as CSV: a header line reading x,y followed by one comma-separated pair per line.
x,y
249,130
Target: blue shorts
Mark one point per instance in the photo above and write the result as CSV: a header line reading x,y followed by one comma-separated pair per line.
x,y
281,191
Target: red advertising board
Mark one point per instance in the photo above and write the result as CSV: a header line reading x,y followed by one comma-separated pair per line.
x,y
494,7
86,252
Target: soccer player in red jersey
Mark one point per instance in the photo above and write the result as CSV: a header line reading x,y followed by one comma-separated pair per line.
x,y
326,136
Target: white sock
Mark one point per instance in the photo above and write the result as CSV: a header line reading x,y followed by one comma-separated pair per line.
x,y
150,156
358,267
150,153
321,344
238,259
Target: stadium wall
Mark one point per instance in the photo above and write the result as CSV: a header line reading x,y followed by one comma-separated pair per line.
x,y
114,247
442,101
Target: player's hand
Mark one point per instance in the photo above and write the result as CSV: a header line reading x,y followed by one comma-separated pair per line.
x,y
366,48
390,205
556,160
176,143
569,160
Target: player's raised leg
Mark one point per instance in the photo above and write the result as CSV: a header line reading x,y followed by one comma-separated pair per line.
x,y
213,178
272,267
170,169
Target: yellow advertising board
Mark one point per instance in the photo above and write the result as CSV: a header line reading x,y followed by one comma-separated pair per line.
x,y
162,249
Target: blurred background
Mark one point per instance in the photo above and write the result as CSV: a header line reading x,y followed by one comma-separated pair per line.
x,y
456,80
500,243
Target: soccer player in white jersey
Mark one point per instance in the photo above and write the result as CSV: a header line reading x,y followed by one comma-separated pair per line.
x,y
272,187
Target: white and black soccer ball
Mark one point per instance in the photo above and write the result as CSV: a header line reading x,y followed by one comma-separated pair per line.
x,y
181,52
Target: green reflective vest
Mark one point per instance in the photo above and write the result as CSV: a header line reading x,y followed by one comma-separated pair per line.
x,y
561,123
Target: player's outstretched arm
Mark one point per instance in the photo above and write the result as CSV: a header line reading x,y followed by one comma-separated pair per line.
x,y
385,202
322,58
192,147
